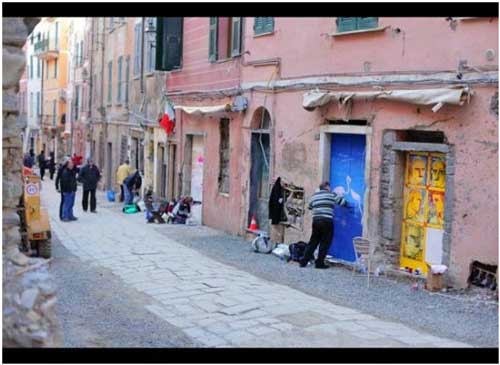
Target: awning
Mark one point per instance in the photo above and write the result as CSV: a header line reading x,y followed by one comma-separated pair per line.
x,y
435,97
203,110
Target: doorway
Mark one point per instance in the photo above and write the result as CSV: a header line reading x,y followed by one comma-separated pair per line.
x,y
109,165
347,178
172,181
259,179
423,213
162,171
196,185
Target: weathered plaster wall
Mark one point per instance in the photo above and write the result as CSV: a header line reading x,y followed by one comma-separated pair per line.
x,y
220,211
409,44
28,289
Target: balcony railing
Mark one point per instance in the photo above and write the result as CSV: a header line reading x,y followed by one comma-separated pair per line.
x,y
46,49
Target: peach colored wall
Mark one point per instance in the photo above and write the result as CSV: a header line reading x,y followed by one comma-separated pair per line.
x,y
219,210
423,44
197,72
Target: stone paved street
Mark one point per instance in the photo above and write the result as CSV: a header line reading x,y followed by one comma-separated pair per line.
x,y
214,304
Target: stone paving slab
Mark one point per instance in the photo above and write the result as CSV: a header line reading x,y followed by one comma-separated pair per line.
x,y
216,304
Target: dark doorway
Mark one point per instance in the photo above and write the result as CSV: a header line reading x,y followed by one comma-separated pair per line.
x,y
259,180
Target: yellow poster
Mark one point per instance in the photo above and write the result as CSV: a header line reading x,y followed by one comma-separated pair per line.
x,y
424,191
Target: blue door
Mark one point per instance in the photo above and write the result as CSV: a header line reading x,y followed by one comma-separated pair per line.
x,y
347,176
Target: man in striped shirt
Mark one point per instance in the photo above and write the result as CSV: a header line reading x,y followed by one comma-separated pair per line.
x,y
322,204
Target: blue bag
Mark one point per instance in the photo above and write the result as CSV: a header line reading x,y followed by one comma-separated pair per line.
x,y
111,195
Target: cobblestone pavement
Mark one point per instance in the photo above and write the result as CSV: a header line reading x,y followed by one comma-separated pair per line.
x,y
215,304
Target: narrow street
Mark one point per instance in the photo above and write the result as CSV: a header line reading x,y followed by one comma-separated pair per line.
x,y
124,283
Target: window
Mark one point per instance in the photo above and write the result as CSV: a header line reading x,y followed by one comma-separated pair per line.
x,y
150,46
38,104
137,48
47,72
263,25
77,102
168,50
127,75
110,79
81,52
111,23
54,112
32,113
38,68
31,67
119,79
350,24
55,68
224,153
56,40
224,38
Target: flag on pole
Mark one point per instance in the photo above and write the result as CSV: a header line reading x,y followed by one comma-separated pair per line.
x,y
167,122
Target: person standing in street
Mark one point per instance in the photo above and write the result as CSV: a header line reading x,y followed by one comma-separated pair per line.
x,y
121,174
89,175
322,204
68,189
58,184
130,185
51,165
41,164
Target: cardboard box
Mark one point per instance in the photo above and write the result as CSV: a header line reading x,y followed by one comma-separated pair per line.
x,y
435,282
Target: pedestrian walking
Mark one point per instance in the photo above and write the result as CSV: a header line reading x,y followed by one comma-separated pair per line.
x,y
121,174
68,189
89,175
131,184
51,165
41,164
322,204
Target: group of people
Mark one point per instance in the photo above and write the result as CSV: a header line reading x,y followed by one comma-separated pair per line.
x,y
43,162
66,183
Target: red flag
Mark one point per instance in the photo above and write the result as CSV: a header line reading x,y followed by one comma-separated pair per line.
x,y
167,122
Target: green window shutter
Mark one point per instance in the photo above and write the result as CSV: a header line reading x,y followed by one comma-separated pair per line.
x,y
110,78
212,45
346,24
127,71
169,43
119,81
367,23
235,36
263,25
159,43
55,68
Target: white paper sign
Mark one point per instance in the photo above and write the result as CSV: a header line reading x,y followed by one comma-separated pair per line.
x,y
434,246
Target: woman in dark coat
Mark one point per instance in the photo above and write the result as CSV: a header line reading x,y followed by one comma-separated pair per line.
x,y
51,165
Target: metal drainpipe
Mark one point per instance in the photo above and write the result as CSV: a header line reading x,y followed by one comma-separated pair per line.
x,y
104,120
142,54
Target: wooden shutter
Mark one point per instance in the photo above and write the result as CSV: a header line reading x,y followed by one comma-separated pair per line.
x,y
346,24
235,36
263,25
110,79
159,44
127,71
81,52
119,84
212,42
169,43
367,23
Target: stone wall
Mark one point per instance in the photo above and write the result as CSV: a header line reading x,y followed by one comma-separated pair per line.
x,y
28,289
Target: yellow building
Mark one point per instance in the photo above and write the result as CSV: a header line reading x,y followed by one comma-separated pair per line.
x,y
52,49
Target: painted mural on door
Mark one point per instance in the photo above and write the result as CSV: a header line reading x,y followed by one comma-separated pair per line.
x,y
197,162
347,178
423,213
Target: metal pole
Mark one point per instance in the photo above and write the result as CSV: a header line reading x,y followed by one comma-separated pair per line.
x,y
142,54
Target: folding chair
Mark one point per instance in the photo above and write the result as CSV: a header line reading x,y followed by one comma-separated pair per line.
x,y
362,250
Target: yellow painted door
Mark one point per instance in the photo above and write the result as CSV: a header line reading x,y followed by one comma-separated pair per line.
x,y
423,210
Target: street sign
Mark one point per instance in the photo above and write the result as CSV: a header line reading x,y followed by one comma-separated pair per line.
x,y
31,189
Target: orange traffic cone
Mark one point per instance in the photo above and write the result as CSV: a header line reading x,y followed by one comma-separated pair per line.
x,y
253,224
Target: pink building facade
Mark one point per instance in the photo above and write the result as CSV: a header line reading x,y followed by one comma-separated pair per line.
x,y
419,171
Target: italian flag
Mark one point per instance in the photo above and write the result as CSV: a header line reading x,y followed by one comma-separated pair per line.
x,y
167,122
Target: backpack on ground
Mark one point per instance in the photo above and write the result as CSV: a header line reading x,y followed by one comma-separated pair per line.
x,y
297,250
130,209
